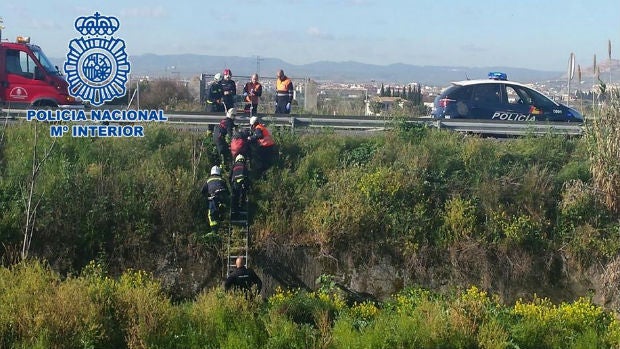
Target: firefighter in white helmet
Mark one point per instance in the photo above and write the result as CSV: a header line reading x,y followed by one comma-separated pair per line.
x,y
239,184
214,95
215,190
222,133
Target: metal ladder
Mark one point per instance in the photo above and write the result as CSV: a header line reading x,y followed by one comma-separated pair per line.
x,y
238,238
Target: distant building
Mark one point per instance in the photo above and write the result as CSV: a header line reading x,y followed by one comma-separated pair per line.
x,y
376,106
310,96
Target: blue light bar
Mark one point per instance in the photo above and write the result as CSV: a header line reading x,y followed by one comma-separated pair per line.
x,y
495,75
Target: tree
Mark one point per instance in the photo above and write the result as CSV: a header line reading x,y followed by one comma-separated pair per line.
x,y
376,107
415,95
164,94
29,197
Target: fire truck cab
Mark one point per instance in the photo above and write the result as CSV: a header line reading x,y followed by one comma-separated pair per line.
x,y
29,80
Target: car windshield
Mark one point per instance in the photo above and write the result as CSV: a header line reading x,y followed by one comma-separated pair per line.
x,y
49,67
523,95
448,90
540,100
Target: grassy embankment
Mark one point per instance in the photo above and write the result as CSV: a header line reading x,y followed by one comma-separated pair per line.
x,y
411,190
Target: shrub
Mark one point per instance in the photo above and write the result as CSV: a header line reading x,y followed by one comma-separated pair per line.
x,y
37,310
460,219
493,335
518,230
144,312
164,94
223,320
387,330
301,319
304,308
284,333
544,325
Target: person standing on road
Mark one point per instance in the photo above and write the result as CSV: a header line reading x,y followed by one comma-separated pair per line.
x,y
229,90
215,94
284,93
252,91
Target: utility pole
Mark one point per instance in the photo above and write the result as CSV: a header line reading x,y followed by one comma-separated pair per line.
x,y
571,73
1,27
593,79
609,52
138,92
258,59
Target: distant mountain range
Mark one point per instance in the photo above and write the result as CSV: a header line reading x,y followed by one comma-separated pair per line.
x,y
190,65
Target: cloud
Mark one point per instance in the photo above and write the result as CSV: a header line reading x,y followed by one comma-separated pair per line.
x,y
472,48
44,24
148,12
16,11
317,33
358,2
352,2
83,11
221,15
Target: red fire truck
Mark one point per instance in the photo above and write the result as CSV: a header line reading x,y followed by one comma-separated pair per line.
x,y
29,80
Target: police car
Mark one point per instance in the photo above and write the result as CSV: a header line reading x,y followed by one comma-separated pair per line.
x,y
496,98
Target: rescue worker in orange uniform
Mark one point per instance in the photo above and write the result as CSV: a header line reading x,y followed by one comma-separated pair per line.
x,y
264,147
284,93
252,91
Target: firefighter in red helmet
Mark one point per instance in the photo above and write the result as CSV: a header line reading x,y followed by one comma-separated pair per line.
x,y
229,89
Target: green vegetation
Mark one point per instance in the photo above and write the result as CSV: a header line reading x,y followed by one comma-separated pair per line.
x,y
413,187
102,199
92,310
131,203
117,200
418,187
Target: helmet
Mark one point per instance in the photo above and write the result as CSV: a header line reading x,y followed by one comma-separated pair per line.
x,y
216,170
227,72
239,158
253,120
217,77
230,113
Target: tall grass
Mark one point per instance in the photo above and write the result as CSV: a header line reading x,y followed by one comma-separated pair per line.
x,y
603,134
401,193
38,309
413,187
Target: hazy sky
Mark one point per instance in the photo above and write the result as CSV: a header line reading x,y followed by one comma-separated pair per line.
x,y
536,34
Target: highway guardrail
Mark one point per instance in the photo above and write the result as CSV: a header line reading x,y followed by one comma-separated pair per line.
x,y
355,122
